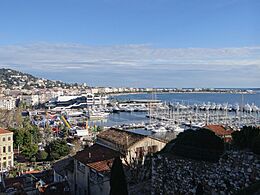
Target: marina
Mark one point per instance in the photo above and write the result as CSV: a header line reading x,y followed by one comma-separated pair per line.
x,y
149,114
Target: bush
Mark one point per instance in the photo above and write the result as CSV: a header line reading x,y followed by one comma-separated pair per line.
x,y
201,144
244,138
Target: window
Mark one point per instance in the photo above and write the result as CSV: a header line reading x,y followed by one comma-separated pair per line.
x,y
139,152
81,167
155,149
4,150
9,138
152,149
9,157
9,148
3,139
9,163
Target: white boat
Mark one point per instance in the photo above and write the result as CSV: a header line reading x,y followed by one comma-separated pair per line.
x,y
218,106
224,106
254,108
213,106
116,109
178,129
74,113
203,106
129,109
149,127
159,130
247,108
198,125
97,115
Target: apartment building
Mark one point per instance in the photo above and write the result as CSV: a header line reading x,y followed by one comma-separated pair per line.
x,y
6,149
7,103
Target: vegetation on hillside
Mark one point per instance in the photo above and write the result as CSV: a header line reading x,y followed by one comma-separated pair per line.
x,y
14,79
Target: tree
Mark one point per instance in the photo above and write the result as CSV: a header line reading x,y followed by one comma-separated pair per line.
x,y
30,150
244,138
118,185
18,137
41,155
57,149
201,144
65,131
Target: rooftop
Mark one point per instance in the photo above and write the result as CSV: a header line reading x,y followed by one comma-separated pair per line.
x,y
97,157
121,137
4,131
219,130
102,166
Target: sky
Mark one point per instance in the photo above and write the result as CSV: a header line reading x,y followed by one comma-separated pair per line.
x,y
135,43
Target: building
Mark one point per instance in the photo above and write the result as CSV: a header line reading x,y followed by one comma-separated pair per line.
x,y
63,170
30,100
131,145
221,131
7,103
6,150
92,165
77,101
36,182
91,170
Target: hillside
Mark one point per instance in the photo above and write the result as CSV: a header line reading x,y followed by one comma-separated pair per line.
x,y
13,79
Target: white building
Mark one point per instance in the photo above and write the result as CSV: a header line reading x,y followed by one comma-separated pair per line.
x,y
30,100
79,101
7,103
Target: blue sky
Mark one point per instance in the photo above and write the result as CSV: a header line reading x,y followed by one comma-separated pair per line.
x,y
167,43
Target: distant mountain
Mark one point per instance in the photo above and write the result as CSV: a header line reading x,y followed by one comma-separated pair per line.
x,y
13,79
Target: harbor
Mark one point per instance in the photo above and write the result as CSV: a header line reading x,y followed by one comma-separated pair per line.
x,y
142,116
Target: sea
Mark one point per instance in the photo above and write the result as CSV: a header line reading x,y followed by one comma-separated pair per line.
x,y
185,98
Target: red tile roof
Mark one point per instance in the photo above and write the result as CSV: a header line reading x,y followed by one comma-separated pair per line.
x,y
4,131
101,166
97,157
219,130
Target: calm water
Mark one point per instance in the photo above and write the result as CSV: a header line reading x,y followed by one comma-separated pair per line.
x,y
197,97
121,118
188,98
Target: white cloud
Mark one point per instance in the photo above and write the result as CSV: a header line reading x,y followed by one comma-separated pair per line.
x,y
47,57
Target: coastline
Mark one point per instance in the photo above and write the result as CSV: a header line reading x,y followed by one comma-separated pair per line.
x,y
180,92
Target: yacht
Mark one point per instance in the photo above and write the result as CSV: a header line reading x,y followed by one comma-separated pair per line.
x,y
159,129
97,115
116,109
149,127
178,129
